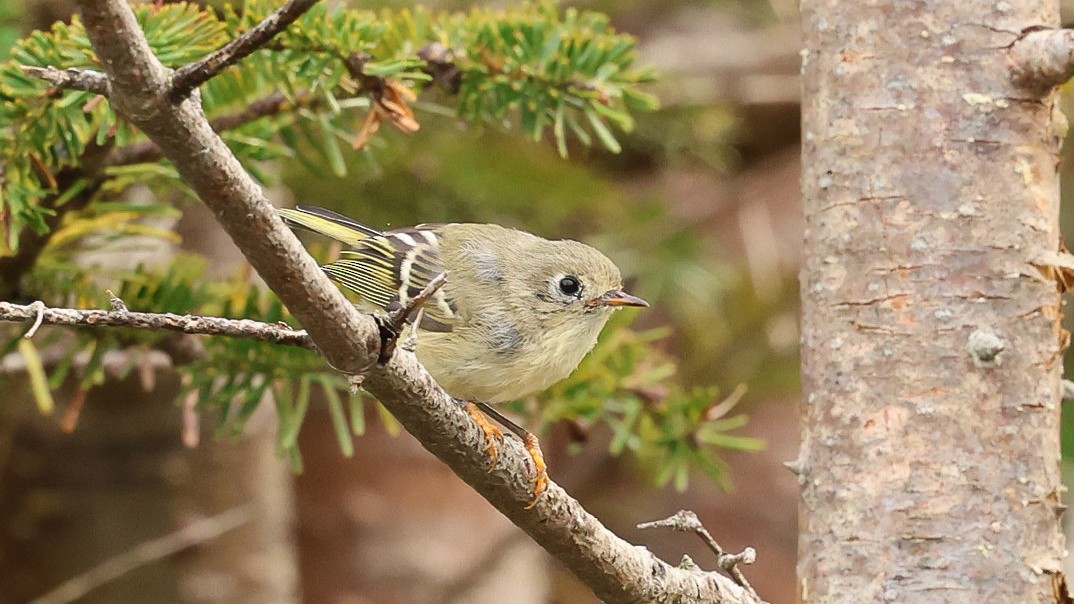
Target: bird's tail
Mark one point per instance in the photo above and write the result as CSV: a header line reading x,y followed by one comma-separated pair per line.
x,y
328,223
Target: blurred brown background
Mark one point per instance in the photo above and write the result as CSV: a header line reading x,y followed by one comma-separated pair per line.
x,y
701,208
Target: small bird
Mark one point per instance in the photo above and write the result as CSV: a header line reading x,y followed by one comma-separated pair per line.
x,y
516,314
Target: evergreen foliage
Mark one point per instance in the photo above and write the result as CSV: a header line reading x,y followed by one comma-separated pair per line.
x,y
330,80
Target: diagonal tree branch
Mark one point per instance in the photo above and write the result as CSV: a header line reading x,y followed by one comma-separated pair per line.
x,y
614,569
562,521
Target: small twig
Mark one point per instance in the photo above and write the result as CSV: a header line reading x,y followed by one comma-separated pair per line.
x,y
118,305
38,307
189,324
728,562
1068,390
71,78
393,325
1042,58
687,521
189,77
268,105
195,533
401,315
411,341
796,466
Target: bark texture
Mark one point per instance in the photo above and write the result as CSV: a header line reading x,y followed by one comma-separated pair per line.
x,y
931,341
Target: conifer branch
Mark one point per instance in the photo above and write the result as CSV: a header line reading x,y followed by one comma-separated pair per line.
x,y
191,76
71,79
32,243
270,105
139,84
188,324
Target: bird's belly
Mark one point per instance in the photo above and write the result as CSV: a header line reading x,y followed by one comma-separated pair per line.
x,y
468,372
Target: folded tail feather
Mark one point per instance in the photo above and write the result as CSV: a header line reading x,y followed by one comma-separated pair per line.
x,y
328,223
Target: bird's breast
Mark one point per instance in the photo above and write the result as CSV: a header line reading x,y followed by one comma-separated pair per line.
x,y
497,363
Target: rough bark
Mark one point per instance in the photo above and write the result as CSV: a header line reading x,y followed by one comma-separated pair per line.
x,y
931,340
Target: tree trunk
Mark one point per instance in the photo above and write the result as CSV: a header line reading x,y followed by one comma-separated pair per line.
x,y
931,343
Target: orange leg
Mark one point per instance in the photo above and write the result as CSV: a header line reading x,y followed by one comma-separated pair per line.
x,y
493,435
533,446
540,479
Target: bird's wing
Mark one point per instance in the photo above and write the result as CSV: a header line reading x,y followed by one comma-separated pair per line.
x,y
390,269
385,269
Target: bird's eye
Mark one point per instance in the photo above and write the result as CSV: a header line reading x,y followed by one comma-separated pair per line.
x,y
570,285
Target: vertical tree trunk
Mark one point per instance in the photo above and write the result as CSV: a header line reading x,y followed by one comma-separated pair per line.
x,y
931,343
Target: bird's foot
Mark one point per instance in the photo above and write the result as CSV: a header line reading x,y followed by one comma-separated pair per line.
x,y
483,414
540,478
493,435
410,342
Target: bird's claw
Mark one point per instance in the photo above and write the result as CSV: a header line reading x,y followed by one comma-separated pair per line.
x,y
540,478
493,435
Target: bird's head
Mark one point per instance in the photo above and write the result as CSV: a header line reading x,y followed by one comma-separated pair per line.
x,y
572,281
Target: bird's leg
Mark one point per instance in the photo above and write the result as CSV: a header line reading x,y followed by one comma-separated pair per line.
x,y
411,341
493,435
481,412
533,447
399,315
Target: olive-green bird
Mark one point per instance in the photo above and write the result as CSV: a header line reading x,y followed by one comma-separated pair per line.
x,y
516,314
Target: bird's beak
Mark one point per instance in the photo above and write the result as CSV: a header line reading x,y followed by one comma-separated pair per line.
x,y
616,298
